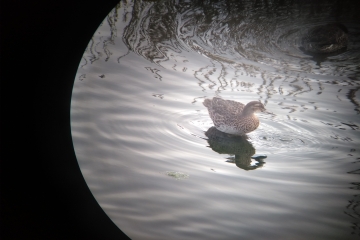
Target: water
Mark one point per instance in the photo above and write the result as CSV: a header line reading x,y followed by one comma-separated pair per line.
x,y
146,146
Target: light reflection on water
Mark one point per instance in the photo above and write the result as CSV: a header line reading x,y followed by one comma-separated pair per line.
x,y
146,146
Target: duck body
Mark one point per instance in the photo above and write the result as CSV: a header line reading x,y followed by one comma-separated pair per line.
x,y
325,39
233,117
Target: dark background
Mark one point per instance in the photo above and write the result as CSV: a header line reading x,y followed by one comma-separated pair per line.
x,y
43,193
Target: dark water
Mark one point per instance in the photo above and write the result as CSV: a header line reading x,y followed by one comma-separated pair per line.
x,y
146,146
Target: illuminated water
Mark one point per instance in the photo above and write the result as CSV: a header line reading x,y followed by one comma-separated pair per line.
x,y
144,140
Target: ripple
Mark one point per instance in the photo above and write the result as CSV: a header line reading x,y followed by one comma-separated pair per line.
x,y
272,135
189,125
282,136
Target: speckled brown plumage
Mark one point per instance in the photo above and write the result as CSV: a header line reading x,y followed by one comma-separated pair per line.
x,y
233,117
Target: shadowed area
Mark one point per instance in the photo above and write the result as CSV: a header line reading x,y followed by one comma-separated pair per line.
x,y
325,39
237,146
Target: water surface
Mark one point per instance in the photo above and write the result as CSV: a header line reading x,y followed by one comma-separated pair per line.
x,y
147,147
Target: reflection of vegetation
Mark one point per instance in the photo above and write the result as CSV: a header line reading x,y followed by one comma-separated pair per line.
x,y
321,57
352,208
235,37
351,96
234,145
151,31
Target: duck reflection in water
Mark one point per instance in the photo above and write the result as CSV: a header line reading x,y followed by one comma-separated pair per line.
x,y
325,41
238,146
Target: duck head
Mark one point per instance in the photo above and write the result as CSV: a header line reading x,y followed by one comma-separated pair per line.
x,y
253,107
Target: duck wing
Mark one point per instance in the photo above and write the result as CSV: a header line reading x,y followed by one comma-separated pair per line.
x,y
226,107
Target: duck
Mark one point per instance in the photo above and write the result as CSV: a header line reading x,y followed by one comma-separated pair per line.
x,y
233,117
327,38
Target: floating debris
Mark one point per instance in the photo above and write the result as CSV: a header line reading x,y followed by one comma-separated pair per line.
x,y
285,139
177,175
161,96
